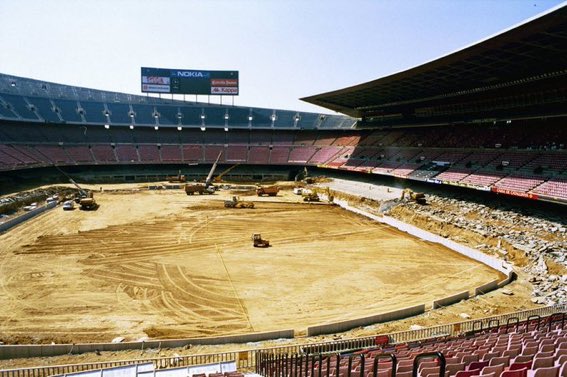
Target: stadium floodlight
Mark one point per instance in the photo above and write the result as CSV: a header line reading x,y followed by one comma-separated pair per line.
x,y
226,129
203,129
250,117
107,126
156,128
12,84
226,116
178,128
131,126
274,117
203,116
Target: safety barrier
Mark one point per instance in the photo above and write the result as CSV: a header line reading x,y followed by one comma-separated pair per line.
x,y
485,288
26,216
46,350
450,299
365,321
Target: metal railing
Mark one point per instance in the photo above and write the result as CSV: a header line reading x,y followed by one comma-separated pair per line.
x,y
246,359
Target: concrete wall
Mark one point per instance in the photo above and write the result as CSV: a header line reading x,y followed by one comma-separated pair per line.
x,y
45,350
26,216
485,288
365,321
450,299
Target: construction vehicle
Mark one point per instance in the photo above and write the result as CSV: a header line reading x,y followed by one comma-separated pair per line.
x,y
218,178
89,203
237,203
259,242
69,205
311,196
417,197
267,190
203,188
179,178
84,198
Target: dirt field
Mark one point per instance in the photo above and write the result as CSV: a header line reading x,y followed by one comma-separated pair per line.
x,y
162,264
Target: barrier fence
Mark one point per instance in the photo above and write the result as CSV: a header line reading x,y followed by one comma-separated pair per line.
x,y
246,359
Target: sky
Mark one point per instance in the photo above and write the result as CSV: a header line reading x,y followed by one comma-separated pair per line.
x,y
283,49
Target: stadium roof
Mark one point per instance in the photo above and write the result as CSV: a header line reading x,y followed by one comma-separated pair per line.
x,y
519,58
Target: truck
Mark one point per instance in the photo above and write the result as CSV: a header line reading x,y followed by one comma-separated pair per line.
x,y
199,188
267,190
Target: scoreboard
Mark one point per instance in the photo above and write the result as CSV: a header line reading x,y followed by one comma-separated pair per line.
x,y
186,81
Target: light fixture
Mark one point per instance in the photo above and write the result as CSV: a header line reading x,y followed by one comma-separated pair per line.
x,y
226,117
107,126
178,128
250,118
226,129
156,128
203,128
203,116
131,126
274,117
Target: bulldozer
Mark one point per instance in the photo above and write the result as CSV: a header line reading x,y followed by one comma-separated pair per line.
x,y
417,197
237,203
259,242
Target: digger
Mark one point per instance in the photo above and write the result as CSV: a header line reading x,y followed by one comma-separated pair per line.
x,y
417,197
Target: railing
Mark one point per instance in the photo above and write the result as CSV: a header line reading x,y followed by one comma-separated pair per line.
x,y
246,359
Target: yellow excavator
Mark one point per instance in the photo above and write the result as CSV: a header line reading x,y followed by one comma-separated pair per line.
x,y
417,197
218,178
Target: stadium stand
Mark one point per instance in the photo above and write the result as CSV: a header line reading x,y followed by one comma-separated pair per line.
x,y
528,349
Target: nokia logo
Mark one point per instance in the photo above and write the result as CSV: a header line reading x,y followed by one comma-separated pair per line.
x,y
194,74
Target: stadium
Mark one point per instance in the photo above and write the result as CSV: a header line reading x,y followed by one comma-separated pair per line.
x,y
418,231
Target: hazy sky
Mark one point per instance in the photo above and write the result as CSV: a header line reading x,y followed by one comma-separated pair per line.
x,y
283,49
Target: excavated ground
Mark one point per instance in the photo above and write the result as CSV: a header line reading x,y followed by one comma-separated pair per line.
x,y
161,264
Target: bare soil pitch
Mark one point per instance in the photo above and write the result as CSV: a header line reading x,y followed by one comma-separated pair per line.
x,y
162,264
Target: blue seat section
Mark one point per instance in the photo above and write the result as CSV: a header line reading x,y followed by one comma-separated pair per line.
x,y
214,116
97,134
191,116
168,115
191,136
69,110
121,134
335,121
94,112
169,135
7,113
238,116
145,135
308,121
19,106
65,133
261,137
214,136
44,107
144,114
119,113
261,118
238,137
18,131
285,119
